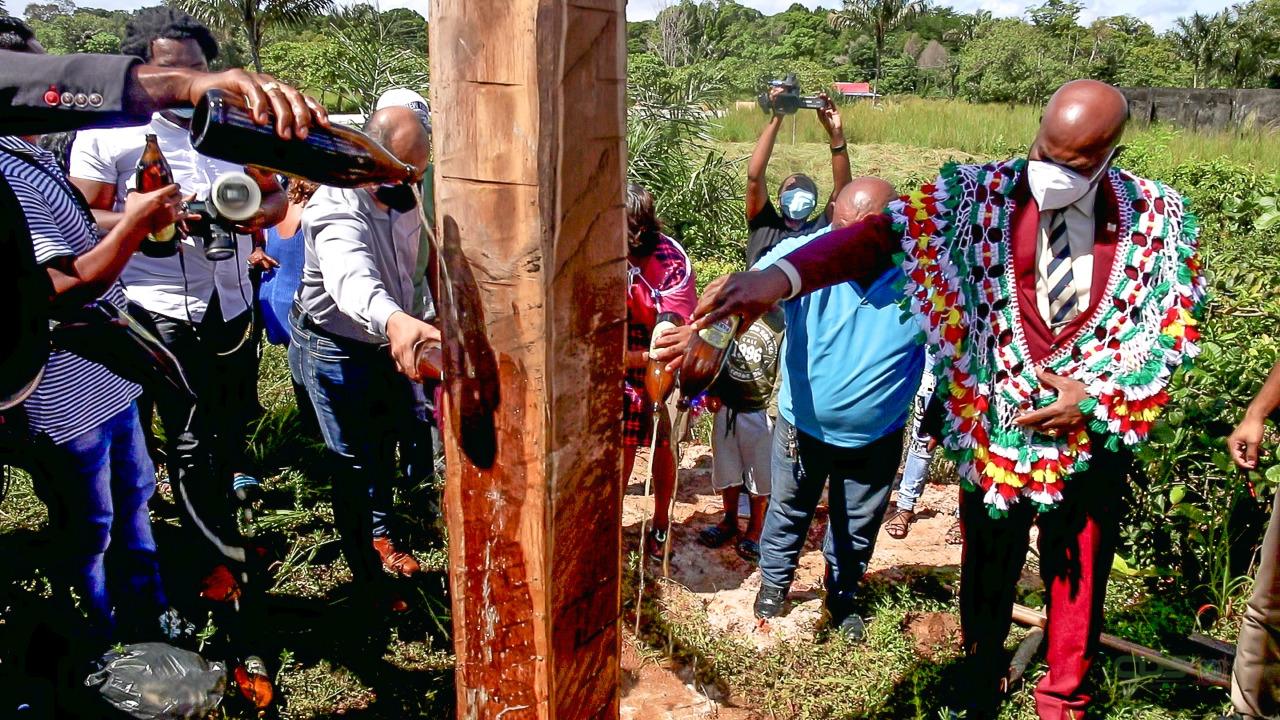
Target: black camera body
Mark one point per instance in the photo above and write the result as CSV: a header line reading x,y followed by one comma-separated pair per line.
x,y
790,101
235,197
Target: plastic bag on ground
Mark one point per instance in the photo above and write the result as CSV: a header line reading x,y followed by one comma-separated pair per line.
x,y
155,681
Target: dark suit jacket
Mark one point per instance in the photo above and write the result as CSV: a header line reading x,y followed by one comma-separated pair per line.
x,y
50,93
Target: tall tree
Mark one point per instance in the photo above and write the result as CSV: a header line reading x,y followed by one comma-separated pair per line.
x,y
1200,40
970,27
254,17
880,17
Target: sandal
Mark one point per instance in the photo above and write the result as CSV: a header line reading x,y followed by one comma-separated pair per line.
x,y
954,535
716,535
654,544
749,550
898,524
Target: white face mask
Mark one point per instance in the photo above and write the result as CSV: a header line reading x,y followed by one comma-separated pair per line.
x,y
1055,187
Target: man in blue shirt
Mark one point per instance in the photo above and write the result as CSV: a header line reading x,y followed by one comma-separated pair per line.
x,y
851,365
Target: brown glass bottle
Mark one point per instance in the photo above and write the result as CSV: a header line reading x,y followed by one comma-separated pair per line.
x,y
705,357
339,156
658,381
254,682
152,174
430,359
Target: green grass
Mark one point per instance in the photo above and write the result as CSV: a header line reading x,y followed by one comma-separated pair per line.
x,y
988,131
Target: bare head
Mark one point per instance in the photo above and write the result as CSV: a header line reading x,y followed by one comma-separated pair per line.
x,y
1081,127
399,130
862,197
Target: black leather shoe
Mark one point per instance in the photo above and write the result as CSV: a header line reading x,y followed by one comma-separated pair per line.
x,y
769,601
850,627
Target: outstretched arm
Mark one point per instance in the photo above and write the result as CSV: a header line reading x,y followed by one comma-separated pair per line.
x,y
1243,443
841,174
860,252
758,166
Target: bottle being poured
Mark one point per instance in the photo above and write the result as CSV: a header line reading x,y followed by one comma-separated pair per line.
x,y
704,358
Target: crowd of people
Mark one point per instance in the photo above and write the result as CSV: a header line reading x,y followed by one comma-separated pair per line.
x,y
1049,299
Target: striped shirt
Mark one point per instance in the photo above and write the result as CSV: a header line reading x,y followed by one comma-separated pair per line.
x,y
75,395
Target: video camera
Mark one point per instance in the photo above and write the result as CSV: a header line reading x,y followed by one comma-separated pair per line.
x,y
789,100
235,198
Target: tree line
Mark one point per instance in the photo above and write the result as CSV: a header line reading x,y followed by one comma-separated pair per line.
x,y
349,54
914,47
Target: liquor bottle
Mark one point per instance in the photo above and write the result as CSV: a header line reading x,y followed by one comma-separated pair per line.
x,y
658,381
705,357
152,174
339,156
254,683
430,359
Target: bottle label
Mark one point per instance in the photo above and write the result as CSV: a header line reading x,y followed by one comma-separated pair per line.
x,y
720,334
163,235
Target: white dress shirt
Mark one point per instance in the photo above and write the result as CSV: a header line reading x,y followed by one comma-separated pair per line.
x,y
181,286
360,260
1080,237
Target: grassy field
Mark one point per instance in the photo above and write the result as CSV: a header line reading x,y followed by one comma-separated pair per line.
x,y
329,667
989,131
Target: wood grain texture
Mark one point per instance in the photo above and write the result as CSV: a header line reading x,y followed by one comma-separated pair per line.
x,y
529,129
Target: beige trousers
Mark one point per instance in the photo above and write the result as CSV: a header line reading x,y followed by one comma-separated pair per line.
x,y
1255,679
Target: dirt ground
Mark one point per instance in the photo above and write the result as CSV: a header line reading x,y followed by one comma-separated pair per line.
x,y
726,585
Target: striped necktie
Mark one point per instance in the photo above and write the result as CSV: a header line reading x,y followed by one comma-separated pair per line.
x,y
1061,279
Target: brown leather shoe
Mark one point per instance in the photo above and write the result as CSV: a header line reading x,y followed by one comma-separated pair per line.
x,y
395,561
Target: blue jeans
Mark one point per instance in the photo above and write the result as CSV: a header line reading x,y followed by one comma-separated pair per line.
x,y
362,405
859,493
919,454
96,486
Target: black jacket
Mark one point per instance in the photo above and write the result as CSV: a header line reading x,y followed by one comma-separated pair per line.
x,y
49,93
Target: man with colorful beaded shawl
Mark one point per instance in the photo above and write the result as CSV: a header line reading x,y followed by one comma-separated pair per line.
x,y
1038,412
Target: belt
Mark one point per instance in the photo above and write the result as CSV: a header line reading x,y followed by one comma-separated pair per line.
x,y
306,322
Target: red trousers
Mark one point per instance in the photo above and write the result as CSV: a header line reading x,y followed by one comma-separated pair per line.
x,y
1077,542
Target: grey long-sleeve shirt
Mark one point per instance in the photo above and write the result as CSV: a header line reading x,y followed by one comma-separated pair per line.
x,y
360,260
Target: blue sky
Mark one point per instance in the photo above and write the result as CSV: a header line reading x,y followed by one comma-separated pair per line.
x,y
1160,13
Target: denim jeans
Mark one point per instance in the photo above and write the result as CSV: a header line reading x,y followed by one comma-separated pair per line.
x,y
859,493
362,405
916,468
96,486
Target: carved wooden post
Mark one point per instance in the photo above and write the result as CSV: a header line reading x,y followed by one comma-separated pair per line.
x,y
529,118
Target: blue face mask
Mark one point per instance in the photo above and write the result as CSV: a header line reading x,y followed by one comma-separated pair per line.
x,y
798,203
184,113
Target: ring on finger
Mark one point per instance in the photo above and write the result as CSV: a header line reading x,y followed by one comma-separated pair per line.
x,y
269,86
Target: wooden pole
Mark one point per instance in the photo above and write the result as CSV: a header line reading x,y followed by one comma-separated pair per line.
x,y
529,119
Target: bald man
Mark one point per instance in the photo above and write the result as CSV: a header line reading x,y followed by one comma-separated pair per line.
x,y
850,366
354,339
1058,294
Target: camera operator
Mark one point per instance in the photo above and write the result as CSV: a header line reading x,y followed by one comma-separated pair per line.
x,y
199,307
798,194
353,327
86,452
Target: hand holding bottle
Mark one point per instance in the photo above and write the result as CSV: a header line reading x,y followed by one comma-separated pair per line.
x,y
406,335
150,212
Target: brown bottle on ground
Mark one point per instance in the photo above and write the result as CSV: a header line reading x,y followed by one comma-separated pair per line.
x,y
339,156
705,357
658,381
152,174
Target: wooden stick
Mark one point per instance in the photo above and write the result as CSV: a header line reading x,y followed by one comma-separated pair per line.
x,y
1026,652
1024,615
